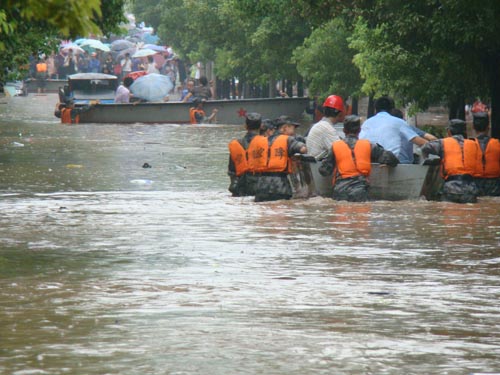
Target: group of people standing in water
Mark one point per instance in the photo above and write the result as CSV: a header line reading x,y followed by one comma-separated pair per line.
x,y
260,162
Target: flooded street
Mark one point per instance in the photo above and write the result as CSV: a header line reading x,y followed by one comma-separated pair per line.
x,y
107,267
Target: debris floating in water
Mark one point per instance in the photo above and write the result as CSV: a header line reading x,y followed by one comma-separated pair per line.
x,y
141,182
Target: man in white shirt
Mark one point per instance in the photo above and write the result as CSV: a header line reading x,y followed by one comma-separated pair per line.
x,y
322,134
126,64
152,66
122,94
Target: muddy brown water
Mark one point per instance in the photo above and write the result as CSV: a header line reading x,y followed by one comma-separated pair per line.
x,y
110,268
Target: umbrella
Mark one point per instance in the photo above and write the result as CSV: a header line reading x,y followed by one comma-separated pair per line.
x,y
121,54
144,52
80,41
95,44
121,44
152,87
137,74
154,47
148,38
74,47
133,39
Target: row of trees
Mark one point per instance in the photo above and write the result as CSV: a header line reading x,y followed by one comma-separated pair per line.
x,y
420,52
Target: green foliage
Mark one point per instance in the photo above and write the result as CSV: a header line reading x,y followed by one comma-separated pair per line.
x,y
250,40
423,51
70,17
325,61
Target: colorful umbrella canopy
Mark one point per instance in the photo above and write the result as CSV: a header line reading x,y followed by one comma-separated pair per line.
x,y
154,47
149,38
121,54
95,44
121,44
152,87
79,41
144,52
137,74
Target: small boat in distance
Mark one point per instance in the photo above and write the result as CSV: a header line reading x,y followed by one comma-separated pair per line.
x,y
98,90
85,88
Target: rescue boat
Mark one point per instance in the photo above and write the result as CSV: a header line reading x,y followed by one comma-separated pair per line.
x,y
97,90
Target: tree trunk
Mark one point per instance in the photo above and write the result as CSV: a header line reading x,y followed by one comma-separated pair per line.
x,y
495,99
300,88
289,88
272,88
355,104
234,89
371,107
456,108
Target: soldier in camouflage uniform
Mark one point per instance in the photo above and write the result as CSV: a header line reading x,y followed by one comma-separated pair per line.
x,y
488,177
352,185
458,163
245,184
274,185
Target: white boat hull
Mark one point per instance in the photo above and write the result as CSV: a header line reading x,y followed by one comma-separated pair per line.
x,y
405,181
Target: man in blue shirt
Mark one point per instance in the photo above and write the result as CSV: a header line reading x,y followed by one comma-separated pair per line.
x,y
407,151
389,131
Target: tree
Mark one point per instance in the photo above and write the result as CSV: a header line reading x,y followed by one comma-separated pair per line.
x,y
326,61
250,40
430,51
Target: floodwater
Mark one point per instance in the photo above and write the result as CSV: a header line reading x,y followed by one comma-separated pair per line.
x,y
107,267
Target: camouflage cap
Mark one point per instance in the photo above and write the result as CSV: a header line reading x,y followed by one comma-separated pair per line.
x,y
282,120
457,126
480,118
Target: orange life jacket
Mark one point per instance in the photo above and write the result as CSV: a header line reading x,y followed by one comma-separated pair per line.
x,y
258,154
459,160
489,160
352,162
41,67
238,155
192,114
66,117
278,155
254,159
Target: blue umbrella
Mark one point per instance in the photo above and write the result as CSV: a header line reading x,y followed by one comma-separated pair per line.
x,y
150,39
152,87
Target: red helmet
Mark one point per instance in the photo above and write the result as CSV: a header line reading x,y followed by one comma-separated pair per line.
x,y
335,102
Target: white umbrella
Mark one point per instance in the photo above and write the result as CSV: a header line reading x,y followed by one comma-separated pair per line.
x,y
144,52
73,47
155,47
152,87
96,44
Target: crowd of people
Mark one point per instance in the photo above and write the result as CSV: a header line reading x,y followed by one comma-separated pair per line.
x,y
121,64
260,162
